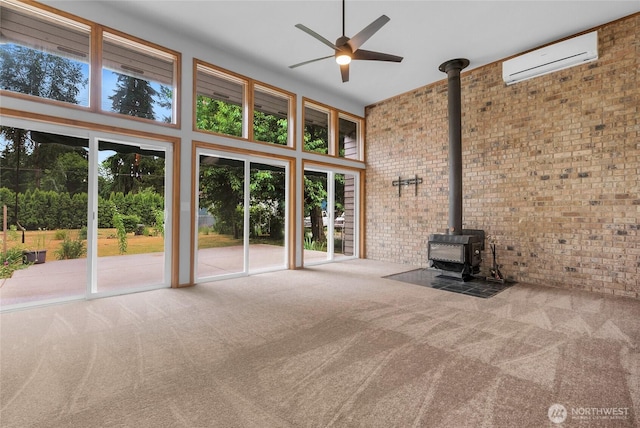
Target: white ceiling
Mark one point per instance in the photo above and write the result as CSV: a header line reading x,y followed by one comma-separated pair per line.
x,y
425,33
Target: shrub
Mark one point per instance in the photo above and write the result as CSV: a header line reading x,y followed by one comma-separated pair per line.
x,y
310,244
51,209
12,233
71,249
83,233
61,235
159,217
10,261
205,230
130,222
106,210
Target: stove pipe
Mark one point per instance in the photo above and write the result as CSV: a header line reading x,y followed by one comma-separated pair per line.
x,y
453,68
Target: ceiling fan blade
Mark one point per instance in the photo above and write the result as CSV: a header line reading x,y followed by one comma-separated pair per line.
x,y
362,54
317,36
344,71
310,61
359,39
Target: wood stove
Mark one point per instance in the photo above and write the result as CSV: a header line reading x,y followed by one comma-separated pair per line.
x,y
457,253
458,256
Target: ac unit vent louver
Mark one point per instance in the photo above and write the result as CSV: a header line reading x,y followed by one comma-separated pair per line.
x,y
558,56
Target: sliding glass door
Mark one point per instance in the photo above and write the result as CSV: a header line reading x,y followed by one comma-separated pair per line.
x,y
331,214
220,217
44,180
267,216
241,215
131,231
85,214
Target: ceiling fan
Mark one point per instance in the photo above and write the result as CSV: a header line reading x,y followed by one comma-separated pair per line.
x,y
348,49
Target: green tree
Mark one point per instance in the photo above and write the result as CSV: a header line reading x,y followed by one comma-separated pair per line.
x,y
221,193
38,73
66,212
316,139
32,72
133,97
165,101
15,168
267,190
218,116
315,194
221,186
125,171
131,173
78,217
121,173
270,128
68,172
144,204
106,211
119,201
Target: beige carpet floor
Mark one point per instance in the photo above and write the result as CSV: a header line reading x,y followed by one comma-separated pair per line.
x,y
333,345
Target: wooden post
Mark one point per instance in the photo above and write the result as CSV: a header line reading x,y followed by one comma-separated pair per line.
x,y
4,229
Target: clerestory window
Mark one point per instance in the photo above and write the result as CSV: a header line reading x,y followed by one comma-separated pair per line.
x,y
271,113
231,104
137,79
43,54
316,128
332,132
349,137
220,100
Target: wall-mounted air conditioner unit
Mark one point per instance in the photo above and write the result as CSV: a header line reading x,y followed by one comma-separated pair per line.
x,y
565,54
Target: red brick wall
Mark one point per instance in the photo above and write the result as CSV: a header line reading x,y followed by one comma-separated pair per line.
x,y
551,169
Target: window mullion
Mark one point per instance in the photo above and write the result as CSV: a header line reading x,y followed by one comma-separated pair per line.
x,y
334,130
248,107
95,95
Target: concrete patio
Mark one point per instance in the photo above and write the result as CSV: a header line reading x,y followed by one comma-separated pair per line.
x,y
65,279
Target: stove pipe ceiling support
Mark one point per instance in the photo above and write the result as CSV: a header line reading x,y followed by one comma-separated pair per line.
x,y
453,68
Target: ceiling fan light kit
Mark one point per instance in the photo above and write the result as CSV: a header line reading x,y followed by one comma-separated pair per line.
x,y
343,59
348,49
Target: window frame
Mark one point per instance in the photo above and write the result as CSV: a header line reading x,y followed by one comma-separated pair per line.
x,y
69,19
307,103
359,135
291,111
142,45
227,75
248,106
334,129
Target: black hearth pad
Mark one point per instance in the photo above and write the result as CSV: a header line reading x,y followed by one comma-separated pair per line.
x,y
476,287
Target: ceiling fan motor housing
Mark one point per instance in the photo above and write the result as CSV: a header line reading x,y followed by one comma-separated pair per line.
x,y
342,43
